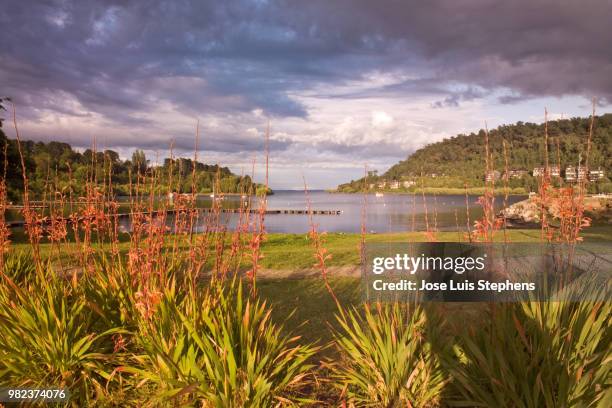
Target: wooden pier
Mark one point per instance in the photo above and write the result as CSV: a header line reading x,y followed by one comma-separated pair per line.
x,y
47,220
283,211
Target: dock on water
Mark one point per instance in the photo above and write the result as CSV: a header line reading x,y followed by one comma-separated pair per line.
x,y
21,223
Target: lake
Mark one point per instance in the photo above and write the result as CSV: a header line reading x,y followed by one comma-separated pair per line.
x,y
390,213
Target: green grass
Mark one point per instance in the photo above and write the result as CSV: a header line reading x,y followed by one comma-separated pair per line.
x,y
306,306
294,251
308,310
308,299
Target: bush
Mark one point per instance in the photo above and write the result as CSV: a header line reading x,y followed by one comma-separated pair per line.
x,y
219,349
537,354
47,339
386,358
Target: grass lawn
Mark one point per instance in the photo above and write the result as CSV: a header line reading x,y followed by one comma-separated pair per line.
x,y
294,251
304,305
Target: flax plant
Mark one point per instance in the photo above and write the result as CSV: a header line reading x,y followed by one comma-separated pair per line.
x,y
537,354
219,349
50,337
18,267
486,227
387,358
318,244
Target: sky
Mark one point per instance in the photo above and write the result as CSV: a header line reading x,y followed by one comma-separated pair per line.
x,y
343,83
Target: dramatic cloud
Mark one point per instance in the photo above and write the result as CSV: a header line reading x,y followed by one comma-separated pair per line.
x,y
342,82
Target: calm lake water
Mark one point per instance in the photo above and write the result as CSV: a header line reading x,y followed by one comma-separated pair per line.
x,y
390,213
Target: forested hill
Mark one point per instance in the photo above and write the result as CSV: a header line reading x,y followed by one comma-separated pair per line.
x,y
461,159
56,166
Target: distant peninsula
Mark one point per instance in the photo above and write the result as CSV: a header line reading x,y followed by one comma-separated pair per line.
x,y
452,165
56,166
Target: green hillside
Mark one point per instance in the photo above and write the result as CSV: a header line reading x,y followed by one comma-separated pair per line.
x,y
451,163
56,166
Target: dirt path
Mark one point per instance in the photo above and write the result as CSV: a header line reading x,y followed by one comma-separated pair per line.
x,y
352,271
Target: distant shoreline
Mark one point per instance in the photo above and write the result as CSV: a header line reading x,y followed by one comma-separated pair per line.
x,y
437,191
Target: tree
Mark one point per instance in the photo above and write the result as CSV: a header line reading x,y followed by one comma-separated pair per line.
x,y
139,161
112,156
55,166
2,108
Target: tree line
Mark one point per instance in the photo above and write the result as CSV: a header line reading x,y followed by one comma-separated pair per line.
x,y
460,160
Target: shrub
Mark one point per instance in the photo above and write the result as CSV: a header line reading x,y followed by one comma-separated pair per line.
x,y
47,339
220,349
537,354
386,359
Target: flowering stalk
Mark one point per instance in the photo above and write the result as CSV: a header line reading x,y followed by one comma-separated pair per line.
x,y
320,252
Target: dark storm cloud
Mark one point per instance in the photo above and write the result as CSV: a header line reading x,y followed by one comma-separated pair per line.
x,y
534,48
119,59
219,140
112,56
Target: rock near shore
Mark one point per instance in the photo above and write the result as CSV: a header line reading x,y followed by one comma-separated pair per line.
x,y
524,212
529,211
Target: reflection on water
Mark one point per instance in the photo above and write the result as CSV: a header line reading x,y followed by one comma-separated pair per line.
x,y
390,213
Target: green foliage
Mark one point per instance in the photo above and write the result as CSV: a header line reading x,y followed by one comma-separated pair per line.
x,y
48,339
387,358
537,354
55,166
109,292
221,349
18,266
139,161
214,346
461,158
263,190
